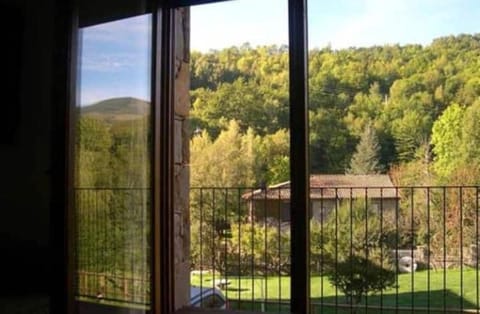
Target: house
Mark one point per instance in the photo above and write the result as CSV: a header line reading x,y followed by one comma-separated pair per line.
x,y
327,192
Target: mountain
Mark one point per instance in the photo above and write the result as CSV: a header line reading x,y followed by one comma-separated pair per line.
x,y
118,109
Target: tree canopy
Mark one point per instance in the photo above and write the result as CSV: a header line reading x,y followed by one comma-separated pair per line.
x,y
365,160
403,92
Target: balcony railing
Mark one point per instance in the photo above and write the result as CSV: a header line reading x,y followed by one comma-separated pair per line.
x,y
112,247
373,249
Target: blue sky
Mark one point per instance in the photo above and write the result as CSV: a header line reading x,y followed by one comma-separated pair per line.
x,y
115,60
115,56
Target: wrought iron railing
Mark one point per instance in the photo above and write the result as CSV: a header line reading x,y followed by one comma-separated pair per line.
x,y
373,249
112,245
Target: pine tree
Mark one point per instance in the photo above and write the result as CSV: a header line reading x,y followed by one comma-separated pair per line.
x,y
365,160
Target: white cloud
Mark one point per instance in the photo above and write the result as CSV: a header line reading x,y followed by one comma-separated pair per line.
x,y
112,63
116,46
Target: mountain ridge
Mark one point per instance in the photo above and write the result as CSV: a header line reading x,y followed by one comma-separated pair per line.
x,y
117,109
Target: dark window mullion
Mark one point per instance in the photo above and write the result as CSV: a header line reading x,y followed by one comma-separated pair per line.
x,y
62,299
162,270
156,216
299,164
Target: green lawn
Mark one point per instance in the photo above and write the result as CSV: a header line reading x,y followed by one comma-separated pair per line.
x,y
409,296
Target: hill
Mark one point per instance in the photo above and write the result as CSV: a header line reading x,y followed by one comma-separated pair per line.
x,y
118,109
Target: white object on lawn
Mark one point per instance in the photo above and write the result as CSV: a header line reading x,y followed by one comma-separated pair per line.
x,y
407,264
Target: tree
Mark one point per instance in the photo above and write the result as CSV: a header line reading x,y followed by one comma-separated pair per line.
x,y
273,159
364,109
330,151
252,105
365,160
266,247
446,140
279,170
470,146
93,145
228,161
410,132
131,153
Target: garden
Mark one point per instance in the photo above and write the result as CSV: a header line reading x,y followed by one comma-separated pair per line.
x,y
426,290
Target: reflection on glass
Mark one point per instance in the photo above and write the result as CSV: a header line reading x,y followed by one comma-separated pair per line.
x,y
112,173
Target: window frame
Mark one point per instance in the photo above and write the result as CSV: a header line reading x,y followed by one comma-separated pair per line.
x,y
299,157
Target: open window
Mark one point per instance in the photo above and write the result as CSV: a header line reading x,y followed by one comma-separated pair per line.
x,y
130,157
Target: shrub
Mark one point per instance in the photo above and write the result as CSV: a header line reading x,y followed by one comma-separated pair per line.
x,y
255,248
356,254
357,276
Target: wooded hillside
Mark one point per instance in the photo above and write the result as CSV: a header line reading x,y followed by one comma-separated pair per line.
x,y
411,110
405,94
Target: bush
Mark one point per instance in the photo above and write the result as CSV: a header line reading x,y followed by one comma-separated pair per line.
x,y
356,252
357,276
266,247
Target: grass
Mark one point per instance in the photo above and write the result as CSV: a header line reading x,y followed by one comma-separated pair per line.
x,y
427,290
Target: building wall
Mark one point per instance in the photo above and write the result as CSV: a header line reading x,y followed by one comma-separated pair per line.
x,y
182,158
375,204
270,209
328,206
277,208
386,204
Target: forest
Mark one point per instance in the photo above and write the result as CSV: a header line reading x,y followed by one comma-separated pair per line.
x,y
410,110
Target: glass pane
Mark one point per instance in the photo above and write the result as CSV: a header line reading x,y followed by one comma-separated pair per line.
x,y
239,162
112,167
394,113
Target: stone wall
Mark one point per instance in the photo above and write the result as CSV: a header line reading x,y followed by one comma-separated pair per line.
x,y
182,158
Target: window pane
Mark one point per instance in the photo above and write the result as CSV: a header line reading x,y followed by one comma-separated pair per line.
x,y
239,162
394,110
112,167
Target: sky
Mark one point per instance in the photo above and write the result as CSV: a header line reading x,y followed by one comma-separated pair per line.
x,y
114,57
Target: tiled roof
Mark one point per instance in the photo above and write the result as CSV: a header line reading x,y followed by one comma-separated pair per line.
x,y
328,186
